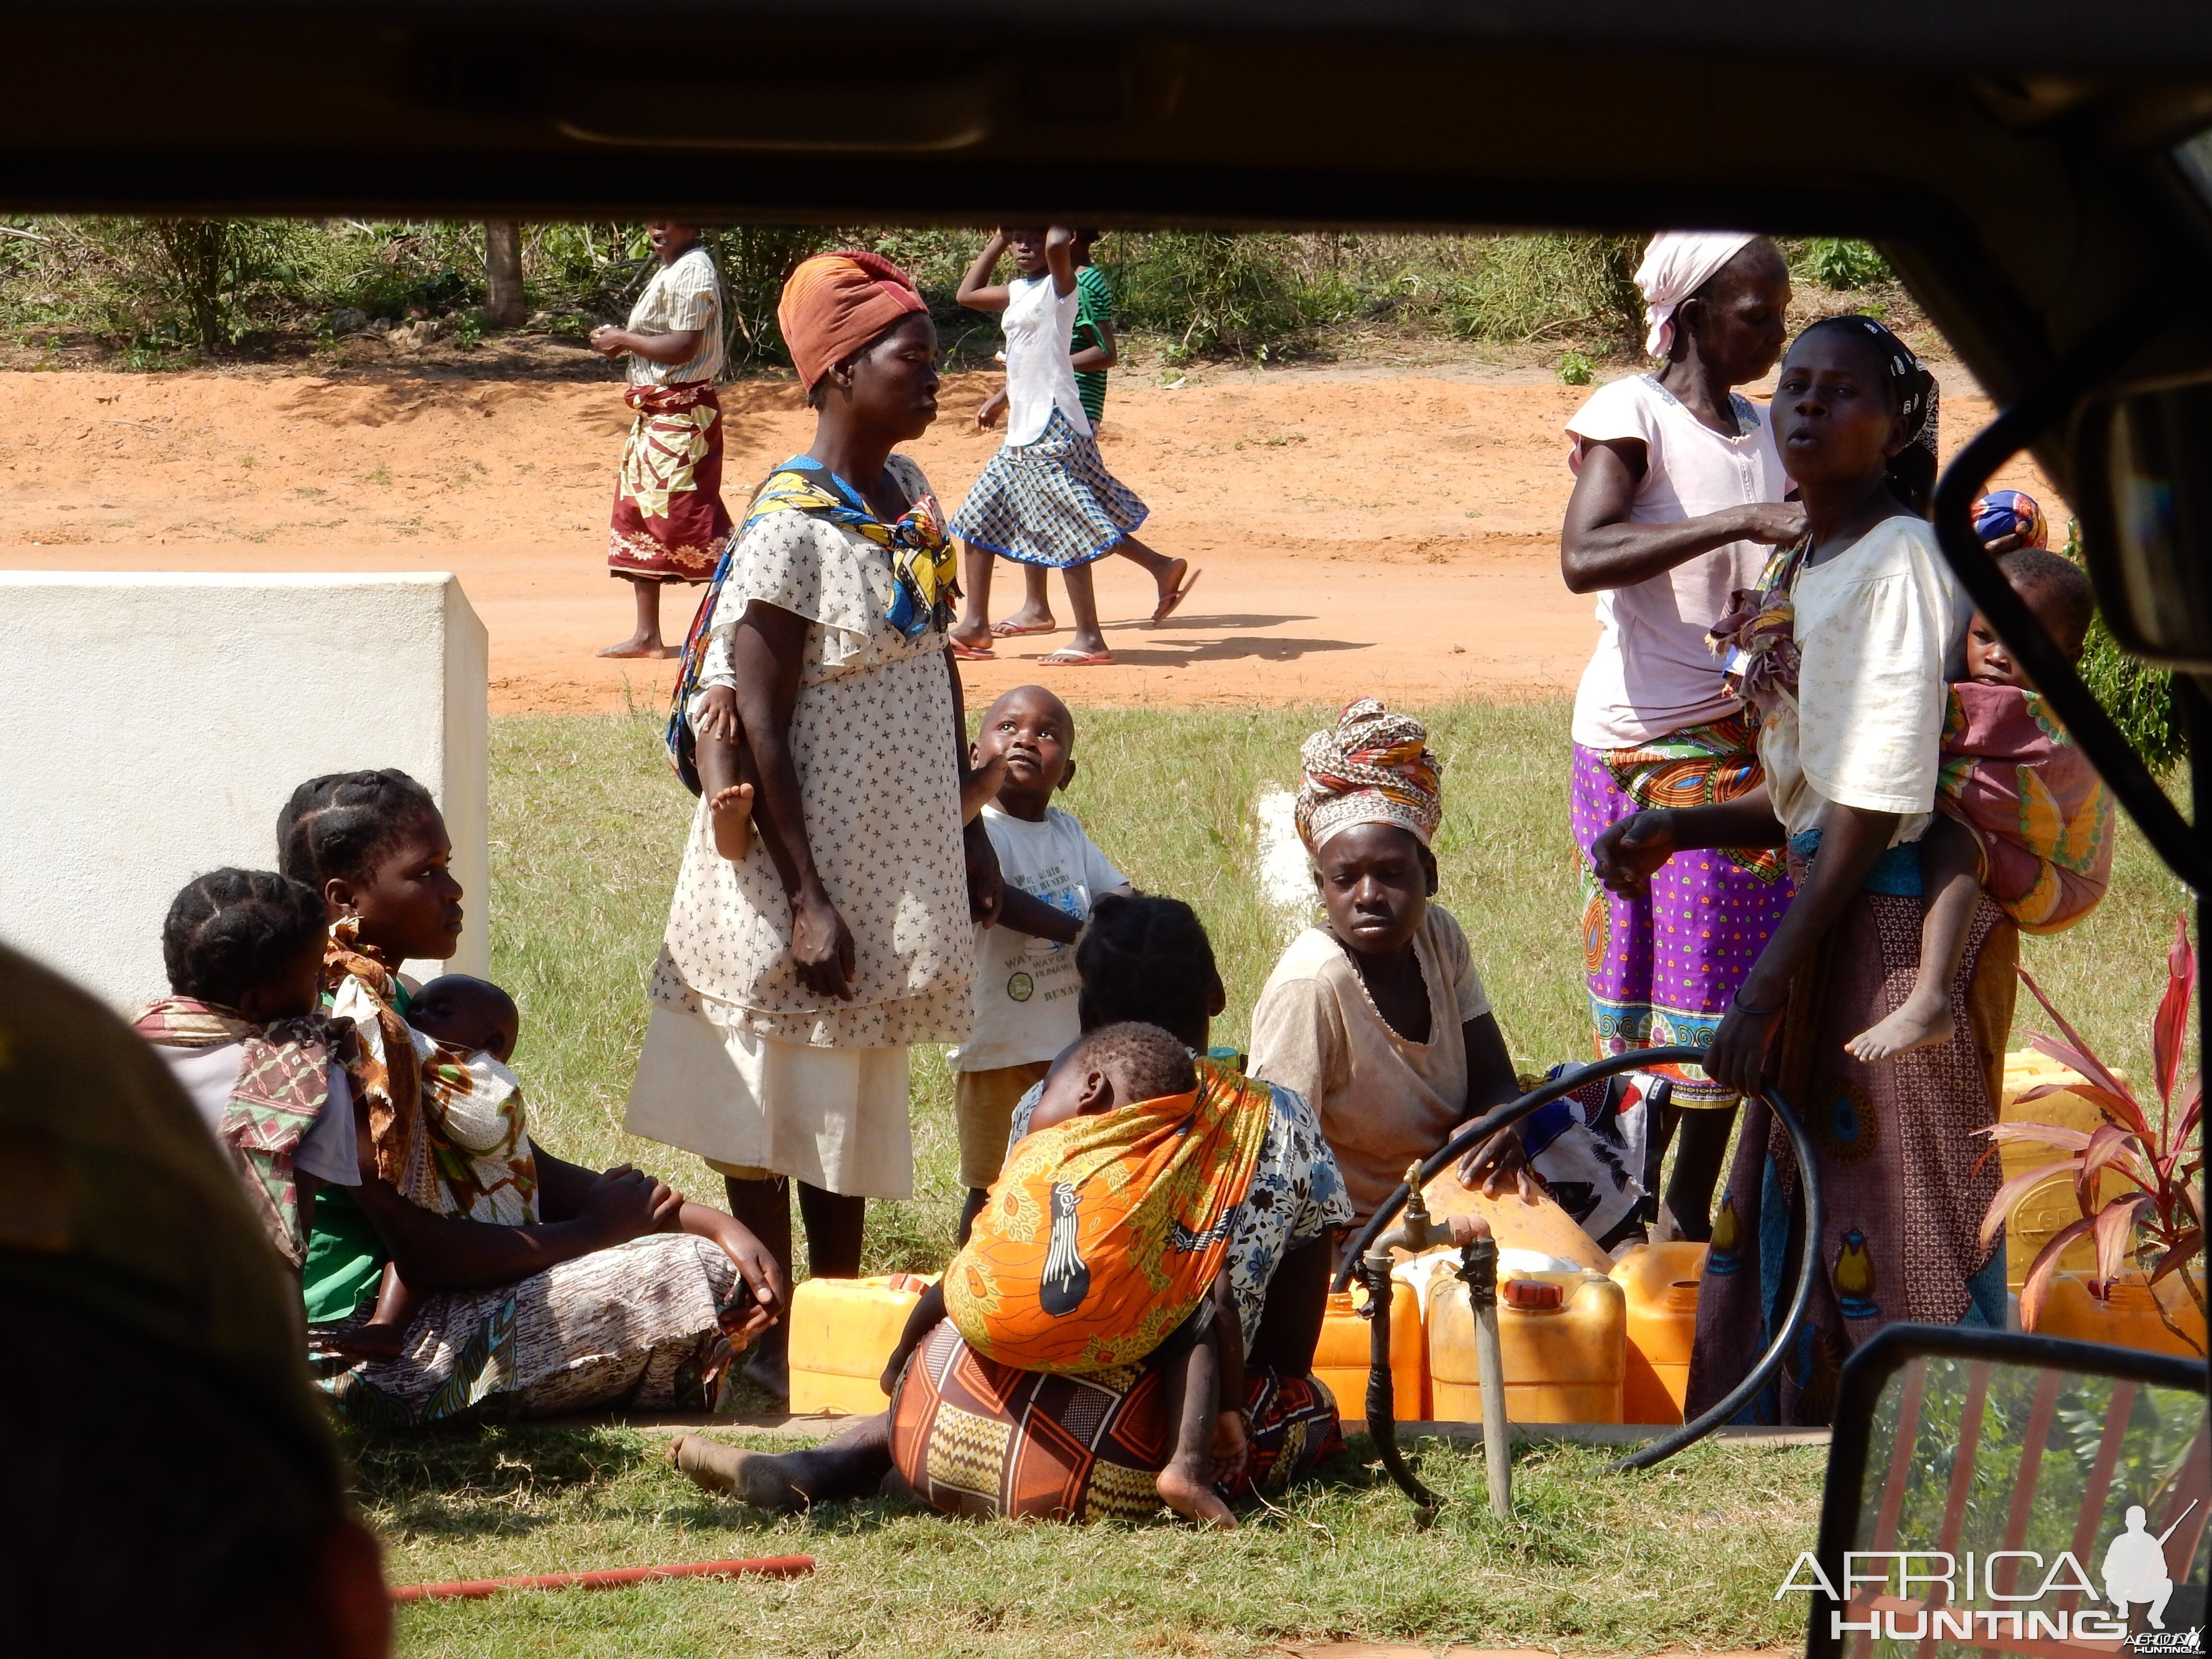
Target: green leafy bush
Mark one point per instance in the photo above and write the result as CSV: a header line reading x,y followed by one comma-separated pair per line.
x,y
2138,696
1575,369
1837,262
1209,291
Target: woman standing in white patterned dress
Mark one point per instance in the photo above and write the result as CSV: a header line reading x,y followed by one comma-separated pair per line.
x,y
792,982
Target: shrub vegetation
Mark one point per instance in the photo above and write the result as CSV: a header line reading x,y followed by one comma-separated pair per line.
x,y
155,293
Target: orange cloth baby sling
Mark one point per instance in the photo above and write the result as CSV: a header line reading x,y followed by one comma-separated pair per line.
x,y
1102,1235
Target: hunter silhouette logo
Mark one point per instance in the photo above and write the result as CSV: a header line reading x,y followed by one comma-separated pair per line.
x,y
1913,1595
2136,1569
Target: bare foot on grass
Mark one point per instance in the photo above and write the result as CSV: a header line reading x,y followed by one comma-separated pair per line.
x,y
1922,1022
637,648
1189,1494
732,809
754,1478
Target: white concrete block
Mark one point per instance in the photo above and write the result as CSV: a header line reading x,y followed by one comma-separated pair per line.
x,y
152,725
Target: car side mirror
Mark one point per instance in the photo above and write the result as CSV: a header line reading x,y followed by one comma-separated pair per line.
x,y
2012,1494
2144,476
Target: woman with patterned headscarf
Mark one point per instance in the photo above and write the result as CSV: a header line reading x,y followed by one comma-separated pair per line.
x,y
1377,1016
1846,657
792,981
1678,498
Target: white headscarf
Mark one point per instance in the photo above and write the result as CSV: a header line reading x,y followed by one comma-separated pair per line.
x,y
1676,265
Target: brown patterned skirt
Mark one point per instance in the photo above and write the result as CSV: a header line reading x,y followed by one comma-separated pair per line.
x,y
976,1438
1904,1180
635,1326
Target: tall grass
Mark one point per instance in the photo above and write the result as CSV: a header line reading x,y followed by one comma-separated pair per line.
x,y
588,824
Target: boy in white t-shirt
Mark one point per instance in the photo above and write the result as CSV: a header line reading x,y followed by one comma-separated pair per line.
x,y
1025,979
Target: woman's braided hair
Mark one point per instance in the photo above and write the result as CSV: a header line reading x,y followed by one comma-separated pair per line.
x,y
1146,959
230,931
338,825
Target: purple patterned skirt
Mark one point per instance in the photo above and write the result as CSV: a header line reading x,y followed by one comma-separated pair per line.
x,y
1663,967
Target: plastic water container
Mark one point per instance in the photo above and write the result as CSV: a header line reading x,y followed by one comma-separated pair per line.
x,y
843,1332
2039,1213
1564,1338
1660,1284
1538,1226
2129,1318
1341,1359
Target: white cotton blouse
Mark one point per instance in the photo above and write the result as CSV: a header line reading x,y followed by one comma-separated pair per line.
x,y
1880,629
1652,672
1040,366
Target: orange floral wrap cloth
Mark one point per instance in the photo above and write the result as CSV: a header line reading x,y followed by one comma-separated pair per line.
x,y
1103,1234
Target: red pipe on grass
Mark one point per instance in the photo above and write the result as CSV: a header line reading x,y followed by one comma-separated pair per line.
x,y
471,1589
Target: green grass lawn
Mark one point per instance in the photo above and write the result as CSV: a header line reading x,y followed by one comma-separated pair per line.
x,y
587,824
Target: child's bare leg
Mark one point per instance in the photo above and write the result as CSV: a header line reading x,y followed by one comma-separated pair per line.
x,y
1950,873
729,798
853,1465
386,1334
1191,1395
973,628
1082,604
1167,574
1035,614
925,1316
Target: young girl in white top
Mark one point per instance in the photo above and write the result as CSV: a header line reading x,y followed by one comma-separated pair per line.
x,y
1046,498
1678,495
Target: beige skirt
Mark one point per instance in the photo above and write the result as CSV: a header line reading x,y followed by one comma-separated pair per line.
x,y
834,1118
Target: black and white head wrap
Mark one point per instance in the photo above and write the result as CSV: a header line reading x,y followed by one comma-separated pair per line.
x,y
1912,469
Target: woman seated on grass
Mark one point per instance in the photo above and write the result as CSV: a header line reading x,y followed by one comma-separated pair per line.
x,y
568,1289
1092,1447
1378,1017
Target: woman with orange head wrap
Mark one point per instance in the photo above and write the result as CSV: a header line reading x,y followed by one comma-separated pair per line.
x,y
792,979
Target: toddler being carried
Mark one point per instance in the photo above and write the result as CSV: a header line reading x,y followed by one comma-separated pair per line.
x,y
2020,814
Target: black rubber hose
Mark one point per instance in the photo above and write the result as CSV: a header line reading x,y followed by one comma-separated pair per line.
x,y
1488,1125
1801,1298
1381,1406
1381,1423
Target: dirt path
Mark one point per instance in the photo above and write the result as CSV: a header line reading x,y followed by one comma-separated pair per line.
x,y
1385,532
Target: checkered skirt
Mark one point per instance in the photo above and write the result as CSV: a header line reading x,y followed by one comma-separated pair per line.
x,y
1051,503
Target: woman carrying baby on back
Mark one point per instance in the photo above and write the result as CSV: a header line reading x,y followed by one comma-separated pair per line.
x,y
1847,655
1239,1163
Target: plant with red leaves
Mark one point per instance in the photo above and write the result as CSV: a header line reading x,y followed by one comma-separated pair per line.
x,y
2160,1166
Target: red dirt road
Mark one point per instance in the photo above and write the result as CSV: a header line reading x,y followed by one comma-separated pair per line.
x,y
1360,531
